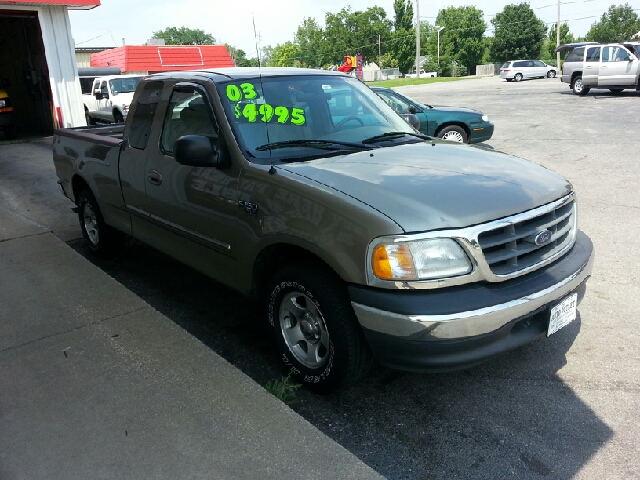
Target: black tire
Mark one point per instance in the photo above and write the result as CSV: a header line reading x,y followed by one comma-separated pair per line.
x,y
101,238
315,329
117,117
578,87
551,74
453,133
517,77
90,120
616,91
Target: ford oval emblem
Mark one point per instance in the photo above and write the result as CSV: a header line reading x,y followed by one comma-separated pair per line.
x,y
542,238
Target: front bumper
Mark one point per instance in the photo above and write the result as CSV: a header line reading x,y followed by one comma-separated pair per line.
x,y
457,327
7,118
481,132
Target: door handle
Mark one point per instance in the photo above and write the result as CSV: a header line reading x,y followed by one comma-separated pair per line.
x,y
154,177
588,67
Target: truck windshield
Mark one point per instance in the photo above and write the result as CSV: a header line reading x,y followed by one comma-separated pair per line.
x,y
124,85
299,116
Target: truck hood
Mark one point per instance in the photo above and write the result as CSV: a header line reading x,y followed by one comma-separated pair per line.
x,y
423,187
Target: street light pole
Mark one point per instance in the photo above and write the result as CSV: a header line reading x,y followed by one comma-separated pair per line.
x,y
417,38
439,29
558,39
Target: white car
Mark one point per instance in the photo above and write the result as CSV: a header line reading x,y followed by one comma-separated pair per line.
x,y
518,70
110,98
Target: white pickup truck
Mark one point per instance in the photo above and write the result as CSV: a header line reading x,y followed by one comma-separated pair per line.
x,y
423,74
110,98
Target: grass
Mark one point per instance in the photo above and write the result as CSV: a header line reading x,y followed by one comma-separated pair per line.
x,y
400,82
284,389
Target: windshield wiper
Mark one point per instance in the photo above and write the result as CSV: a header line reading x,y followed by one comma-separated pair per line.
x,y
392,135
310,143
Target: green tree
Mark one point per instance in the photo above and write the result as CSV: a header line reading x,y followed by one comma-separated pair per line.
x,y
403,10
284,55
618,24
461,40
519,33
184,36
240,58
310,38
550,44
403,48
350,33
388,61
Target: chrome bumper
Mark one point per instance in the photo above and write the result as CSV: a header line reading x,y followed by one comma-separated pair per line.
x,y
467,324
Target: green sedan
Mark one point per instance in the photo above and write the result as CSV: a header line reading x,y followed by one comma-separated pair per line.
x,y
449,123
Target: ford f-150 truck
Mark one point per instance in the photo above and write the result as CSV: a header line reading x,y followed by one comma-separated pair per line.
x,y
110,98
360,237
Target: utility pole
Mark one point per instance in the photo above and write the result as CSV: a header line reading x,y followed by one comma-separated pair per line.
x,y
558,39
418,38
379,66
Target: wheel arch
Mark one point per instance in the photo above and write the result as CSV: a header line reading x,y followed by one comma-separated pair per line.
x,y
78,184
457,123
275,256
577,73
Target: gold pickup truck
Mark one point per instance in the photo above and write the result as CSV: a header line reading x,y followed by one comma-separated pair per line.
x,y
360,237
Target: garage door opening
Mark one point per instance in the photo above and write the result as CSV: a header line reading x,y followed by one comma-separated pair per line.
x,y
24,75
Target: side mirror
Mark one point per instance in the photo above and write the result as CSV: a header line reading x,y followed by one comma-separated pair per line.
x,y
412,120
413,109
198,151
98,95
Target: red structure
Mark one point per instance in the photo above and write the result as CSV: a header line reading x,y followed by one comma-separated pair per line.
x,y
79,4
163,58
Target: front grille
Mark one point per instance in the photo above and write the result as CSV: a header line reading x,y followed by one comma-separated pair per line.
x,y
512,247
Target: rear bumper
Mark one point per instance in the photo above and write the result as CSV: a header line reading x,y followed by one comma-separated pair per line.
x,y
432,330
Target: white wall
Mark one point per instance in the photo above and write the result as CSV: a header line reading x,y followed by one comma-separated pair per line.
x,y
59,51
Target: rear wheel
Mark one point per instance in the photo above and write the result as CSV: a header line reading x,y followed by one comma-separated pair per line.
x,y
579,88
315,329
118,118
101,238
551,73
518,77
453,133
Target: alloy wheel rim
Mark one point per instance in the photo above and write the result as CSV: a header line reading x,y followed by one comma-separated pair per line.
x,y
304,330
91,224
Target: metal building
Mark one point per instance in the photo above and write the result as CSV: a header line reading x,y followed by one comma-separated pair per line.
x,y
38,65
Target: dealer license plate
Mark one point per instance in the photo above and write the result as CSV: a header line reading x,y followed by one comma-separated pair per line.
x,y
563,314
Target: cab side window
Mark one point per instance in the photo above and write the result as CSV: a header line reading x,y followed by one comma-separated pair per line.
x,y
593,54
187,114
576,55
143,114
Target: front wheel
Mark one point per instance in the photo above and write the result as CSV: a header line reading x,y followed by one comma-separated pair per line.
x,y
453,133
616,91
579,88
551,74
315,329
101,239
90,120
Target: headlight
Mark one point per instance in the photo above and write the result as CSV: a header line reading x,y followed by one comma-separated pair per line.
x,y
485,118
3,103
420,260
125,108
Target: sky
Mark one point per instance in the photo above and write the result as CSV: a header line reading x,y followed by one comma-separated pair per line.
x,y
277,21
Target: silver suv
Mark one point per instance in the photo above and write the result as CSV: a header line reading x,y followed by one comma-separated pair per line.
x,y
520,69
614,66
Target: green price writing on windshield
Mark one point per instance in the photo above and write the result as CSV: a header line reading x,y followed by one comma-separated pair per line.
x,y
265,113
245,91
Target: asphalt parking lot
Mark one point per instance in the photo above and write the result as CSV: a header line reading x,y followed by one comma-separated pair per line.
x,y
561,408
